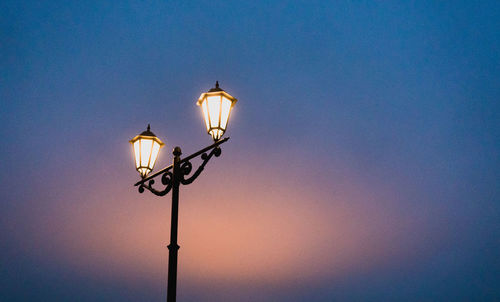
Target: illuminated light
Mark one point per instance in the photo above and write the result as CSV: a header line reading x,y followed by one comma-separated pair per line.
x,y
205,114
225,109
146,149
137,153
216,105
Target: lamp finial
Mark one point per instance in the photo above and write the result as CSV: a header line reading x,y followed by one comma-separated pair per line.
x,y
216,88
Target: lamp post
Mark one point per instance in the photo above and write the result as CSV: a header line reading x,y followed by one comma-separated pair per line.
x,y
216,105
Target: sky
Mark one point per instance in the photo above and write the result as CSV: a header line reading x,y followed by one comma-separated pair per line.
x,y
363,163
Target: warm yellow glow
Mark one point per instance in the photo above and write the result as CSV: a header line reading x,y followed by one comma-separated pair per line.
x,y
146,148
205,114
154,155
216,133
224,112
143,171
216,107
214,110
137,153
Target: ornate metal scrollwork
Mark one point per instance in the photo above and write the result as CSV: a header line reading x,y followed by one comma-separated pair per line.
x,y
186,167
166,180
180,172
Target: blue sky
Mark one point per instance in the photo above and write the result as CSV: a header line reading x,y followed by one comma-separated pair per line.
x,y
363,163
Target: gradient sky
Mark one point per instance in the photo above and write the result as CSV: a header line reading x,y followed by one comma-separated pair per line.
x,y
363,163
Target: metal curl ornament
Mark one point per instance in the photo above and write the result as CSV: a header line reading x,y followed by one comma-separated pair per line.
x,y
186,166
217,151
166,179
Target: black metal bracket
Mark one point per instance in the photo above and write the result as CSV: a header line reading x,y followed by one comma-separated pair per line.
x,y
166,180
169,174
186,166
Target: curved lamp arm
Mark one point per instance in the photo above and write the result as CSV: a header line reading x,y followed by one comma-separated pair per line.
x,y
166,180
186,166
180,172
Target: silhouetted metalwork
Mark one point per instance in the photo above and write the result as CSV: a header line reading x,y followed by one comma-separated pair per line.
x,y
179,172
216,107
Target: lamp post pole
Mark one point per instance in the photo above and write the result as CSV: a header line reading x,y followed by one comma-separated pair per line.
x,y
180,172
173,247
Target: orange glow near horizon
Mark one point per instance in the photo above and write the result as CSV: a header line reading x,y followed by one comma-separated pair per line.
x,y
251,231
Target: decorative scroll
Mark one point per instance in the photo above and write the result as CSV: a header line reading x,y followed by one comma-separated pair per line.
x,y
166,180
181,173
186,167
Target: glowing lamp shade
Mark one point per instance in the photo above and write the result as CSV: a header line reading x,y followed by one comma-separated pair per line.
x,y
216,105
146,149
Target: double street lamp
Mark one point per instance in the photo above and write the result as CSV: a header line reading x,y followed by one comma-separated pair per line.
x,y
216,105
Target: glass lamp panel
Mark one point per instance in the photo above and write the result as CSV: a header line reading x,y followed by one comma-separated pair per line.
x,y
154,154
146,148
225,109
214,110
137,153
205,113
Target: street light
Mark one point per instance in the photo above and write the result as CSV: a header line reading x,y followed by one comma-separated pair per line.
x,y
146,149
216,105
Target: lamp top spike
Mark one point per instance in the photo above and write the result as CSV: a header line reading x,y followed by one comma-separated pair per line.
x,y
148,132
216,88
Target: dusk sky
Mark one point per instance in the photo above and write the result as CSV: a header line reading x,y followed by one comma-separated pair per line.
x,y
363,163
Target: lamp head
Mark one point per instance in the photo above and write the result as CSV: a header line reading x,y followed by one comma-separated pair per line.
x,y
216,105
146,149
